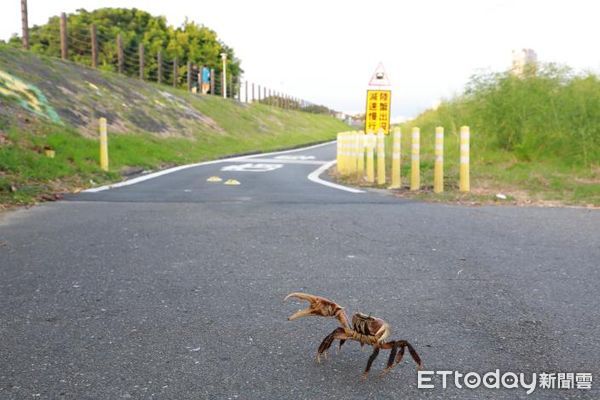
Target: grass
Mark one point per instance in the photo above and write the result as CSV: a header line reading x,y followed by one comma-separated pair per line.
x,y
535,139
151,126
495,171
221,128
27,175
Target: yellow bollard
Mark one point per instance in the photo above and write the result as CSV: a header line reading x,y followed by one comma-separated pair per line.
x,y
360,162
415,172
465,184
338,151
396,159
352,153
370,144
438,171
103,144
346,153
342,163
380,158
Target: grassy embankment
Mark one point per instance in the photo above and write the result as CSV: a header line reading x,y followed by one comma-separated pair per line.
x,y
150,127
535,139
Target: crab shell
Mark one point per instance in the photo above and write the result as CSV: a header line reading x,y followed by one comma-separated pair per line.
x,y
375,329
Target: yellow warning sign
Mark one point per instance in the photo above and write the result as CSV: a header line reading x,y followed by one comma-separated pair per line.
x,y
377,116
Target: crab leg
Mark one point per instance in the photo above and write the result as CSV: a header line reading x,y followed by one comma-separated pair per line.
x,y
338,333
372,358
390,362
400,355
400,345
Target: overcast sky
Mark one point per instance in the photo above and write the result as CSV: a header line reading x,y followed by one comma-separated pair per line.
x,y
326,50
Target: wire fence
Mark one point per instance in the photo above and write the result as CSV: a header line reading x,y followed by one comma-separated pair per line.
x,y
97,47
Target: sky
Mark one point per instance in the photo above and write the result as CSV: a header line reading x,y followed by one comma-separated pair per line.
x,y
325,51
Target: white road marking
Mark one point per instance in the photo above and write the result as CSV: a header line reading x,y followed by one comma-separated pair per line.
x,y
314,177
153,175
293,150
301,158
252,167
276,160
182,167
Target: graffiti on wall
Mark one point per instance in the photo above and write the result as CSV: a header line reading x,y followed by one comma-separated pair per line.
x,y
28,96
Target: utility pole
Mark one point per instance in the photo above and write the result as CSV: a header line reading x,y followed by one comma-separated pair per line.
x,y
93,35
159,64
141,54
24,25
63,36
175,72
189,76
120,56
224,75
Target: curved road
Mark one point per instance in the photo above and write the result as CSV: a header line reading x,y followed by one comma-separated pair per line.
x,y
172,288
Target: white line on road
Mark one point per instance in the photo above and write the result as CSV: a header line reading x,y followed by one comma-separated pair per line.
x,y
284,161
154,175
292,157
182,167
314,176
314,146
252,167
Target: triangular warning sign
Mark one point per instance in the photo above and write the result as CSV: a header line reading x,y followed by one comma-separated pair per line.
x,y
380,77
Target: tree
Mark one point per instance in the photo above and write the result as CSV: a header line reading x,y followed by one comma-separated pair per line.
x,y
189,42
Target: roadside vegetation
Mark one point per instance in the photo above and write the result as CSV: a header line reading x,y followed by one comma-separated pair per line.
x,y
188,42
27,175
55,105
534,139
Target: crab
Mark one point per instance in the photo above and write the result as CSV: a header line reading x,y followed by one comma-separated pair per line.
x,y
365,329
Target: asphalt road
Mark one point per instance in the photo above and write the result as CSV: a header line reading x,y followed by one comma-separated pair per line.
x,y
172,288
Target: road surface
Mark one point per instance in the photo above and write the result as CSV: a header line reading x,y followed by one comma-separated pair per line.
x,y
173,287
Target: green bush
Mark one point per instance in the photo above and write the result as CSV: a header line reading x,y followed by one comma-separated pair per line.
x,y
552,114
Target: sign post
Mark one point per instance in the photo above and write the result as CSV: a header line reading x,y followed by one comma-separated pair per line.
x,y
379,103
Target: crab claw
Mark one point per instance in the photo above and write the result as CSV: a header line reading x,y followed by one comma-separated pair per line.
x,y
318,306
310,310
303,296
